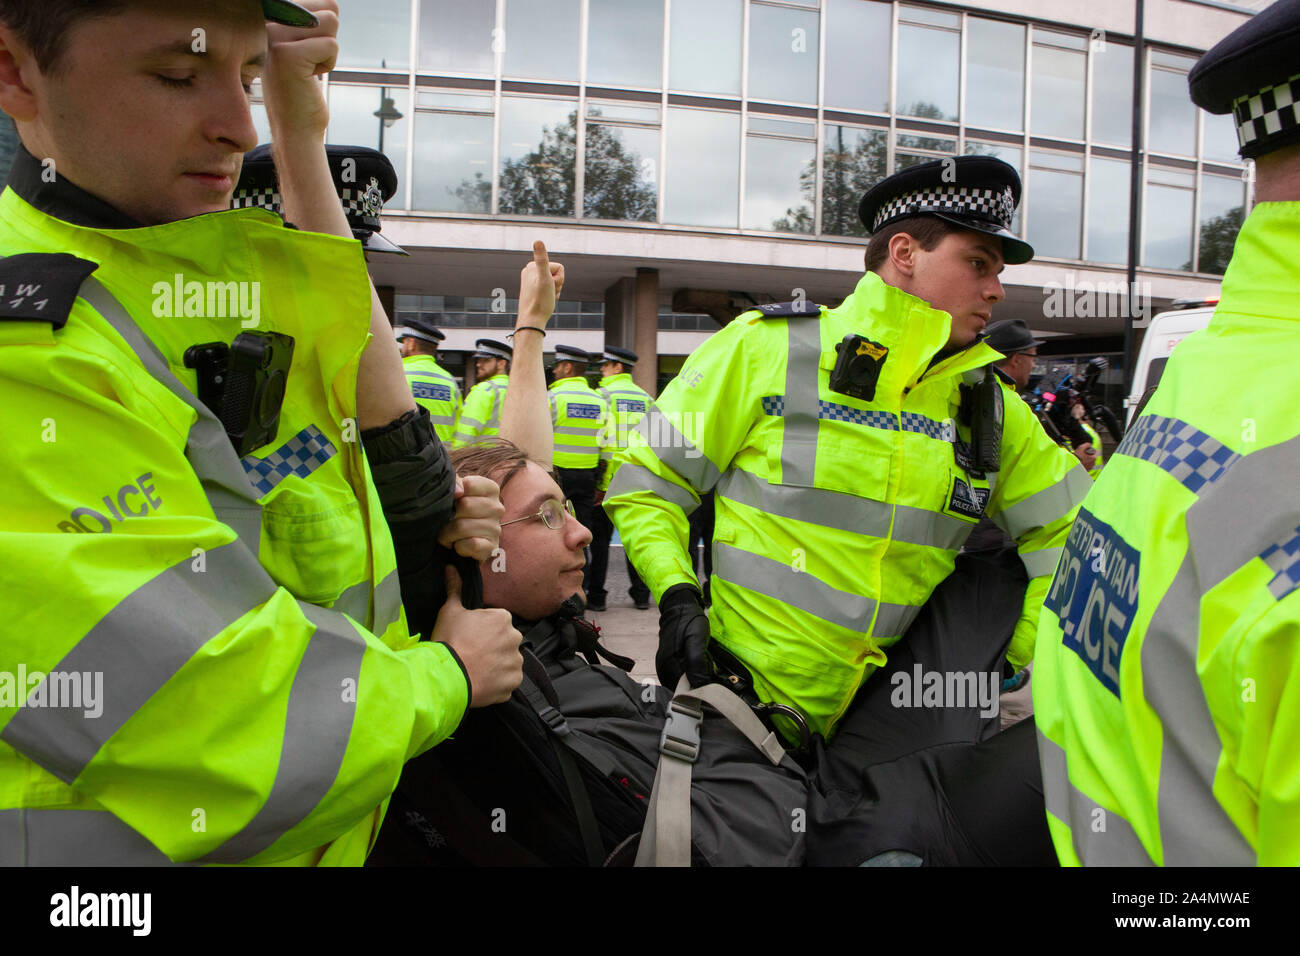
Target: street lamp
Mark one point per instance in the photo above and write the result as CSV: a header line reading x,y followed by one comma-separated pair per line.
x,y
388,114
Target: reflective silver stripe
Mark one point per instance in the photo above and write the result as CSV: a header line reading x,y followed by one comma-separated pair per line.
x,y
591,450
592,430
317,727
388,603
893,619
1051,504
677,451
73,838
437,377
631,477
208,449
442,419
844,512
799,438
1040,563
498,399
139,646
354,602
1100,837
1224,529
798,589
472,422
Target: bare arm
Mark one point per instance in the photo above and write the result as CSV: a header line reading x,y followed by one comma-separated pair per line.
x,y
526,416
295,105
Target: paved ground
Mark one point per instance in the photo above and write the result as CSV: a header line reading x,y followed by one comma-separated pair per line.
x,y
624,629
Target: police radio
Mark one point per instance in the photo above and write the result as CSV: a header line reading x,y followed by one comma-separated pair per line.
x,y
981,410
243,384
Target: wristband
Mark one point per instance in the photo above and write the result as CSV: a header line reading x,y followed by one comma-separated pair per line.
x,y
528,327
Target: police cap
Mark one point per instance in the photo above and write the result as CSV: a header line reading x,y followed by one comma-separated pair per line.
x,y
364,178
626,356
975,192
1254,73
1010,336
418,328
491,348
568,353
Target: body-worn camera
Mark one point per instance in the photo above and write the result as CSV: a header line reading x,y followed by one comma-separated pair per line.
x,y
857,367
243,384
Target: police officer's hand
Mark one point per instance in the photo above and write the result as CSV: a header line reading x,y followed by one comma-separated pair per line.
x,y
683,637
1087,456
486,643
475,530
295,98
540,283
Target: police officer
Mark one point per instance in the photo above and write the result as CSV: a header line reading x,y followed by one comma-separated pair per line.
x,y
578,416
1013,339
480,416
628,404
1168,670
840,445
230,579
432,386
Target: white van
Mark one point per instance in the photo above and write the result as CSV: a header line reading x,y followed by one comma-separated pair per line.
x,y
1165,331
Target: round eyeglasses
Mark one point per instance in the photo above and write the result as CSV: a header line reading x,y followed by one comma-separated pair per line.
x,y
551,512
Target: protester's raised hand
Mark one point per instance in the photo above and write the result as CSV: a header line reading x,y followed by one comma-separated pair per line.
x,y
296,56
486,643
540,283
475,531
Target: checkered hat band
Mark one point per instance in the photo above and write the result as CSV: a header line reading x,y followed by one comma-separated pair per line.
x,y
1268,112
991,204
364,201
267,198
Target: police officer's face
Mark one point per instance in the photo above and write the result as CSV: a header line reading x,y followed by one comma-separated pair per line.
x,y
148,109
541,567
960,276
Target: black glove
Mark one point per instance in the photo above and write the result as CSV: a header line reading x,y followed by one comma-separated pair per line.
x,y
683,638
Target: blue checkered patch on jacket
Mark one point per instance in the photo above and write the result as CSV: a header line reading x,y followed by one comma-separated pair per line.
x,y
1284,559
300,455
1187,453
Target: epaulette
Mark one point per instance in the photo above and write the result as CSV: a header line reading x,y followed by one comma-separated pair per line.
x,y
798,309
41,286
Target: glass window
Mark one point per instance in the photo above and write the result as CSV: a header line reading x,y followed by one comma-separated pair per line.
x,y
857,55
703,173
1013,157
758,124
1171,115
1055,198
538,156
625,42
620,180
1108,196
374,33
456,36
939,18
1219,141
704,46
853,160
476,102
913,141
995,74
541,39
927,72
1112,94
1223,208
258,108
618,111
1057,91
780,184
353,122
782,54
1167,220
453,163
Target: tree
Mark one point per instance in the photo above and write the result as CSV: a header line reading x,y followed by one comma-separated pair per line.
x,y
1218,236
541,183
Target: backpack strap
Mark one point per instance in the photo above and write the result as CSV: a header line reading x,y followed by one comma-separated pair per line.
x,y
666,837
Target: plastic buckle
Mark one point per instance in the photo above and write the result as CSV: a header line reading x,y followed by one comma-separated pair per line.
x,y
681,736
555,720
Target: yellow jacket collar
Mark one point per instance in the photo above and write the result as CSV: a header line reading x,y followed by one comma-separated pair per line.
x,y
1261,276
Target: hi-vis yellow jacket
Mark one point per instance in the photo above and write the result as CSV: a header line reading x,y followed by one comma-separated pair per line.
x,y
436,389
836,517
1167,682
480,416
203,658
628,403
578,415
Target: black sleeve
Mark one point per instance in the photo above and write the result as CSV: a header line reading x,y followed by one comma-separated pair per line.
x,y
416,485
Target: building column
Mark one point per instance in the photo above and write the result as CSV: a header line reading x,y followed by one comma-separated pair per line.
x,y
388,299
646,330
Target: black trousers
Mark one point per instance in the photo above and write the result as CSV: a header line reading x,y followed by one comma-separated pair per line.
x,y
932,777
602,529
579,486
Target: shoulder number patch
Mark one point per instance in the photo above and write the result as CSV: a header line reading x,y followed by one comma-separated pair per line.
x,y
41,286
